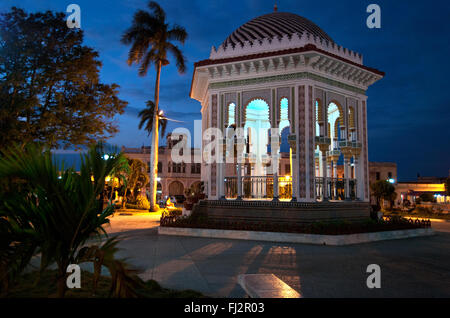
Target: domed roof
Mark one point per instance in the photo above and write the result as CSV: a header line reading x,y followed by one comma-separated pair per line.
x,y
275,24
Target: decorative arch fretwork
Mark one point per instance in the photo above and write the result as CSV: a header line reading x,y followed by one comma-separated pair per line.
x,y
279,110
244,118
341,111
249,96
227,114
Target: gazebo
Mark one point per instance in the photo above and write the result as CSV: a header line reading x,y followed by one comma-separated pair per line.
x,y
280,76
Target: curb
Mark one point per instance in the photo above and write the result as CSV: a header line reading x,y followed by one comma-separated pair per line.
x,y
316,239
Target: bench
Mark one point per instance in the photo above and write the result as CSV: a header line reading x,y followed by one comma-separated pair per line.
x,y
266,286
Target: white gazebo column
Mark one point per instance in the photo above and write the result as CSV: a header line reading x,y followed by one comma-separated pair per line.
x,y
346,177
335,174
357,169
239,159
347,152
275,146
295,175
329,177
239,181
334,157
334,169
323,148
222,165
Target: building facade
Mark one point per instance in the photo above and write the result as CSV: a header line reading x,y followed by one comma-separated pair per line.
x,y
281,71
410,191
173,177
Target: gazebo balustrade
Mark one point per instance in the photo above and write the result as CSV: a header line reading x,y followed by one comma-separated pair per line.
x,y
324,144
333,157
258,187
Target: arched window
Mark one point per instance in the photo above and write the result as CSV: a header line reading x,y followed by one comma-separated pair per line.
x,y
256,131
334,120
231,114
284,114
317,109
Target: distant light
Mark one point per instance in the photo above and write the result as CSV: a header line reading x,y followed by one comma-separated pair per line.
x,y
158,179
161,112
391,180
105,156
59,177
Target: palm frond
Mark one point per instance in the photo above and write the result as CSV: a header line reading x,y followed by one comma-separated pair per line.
x,y
179,58
57,210
163,126
158,12
150,36
177,33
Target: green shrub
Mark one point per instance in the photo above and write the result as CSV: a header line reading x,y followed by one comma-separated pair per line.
x,y
142,202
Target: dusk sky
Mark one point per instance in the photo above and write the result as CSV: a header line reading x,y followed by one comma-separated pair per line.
x,y
408,110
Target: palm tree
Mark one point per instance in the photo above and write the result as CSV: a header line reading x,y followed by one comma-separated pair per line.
x,y
151,39
147,116
137,178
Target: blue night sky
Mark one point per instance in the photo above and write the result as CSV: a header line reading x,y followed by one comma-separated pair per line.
x,y
408,111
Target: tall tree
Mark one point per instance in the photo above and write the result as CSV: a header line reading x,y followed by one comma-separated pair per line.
x,y
147,116
137,178
383,190
50,89
151,40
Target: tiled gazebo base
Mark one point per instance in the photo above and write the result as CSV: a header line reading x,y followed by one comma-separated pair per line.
x,y
283,212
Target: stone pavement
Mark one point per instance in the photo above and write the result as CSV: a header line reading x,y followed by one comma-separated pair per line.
x,y
418,267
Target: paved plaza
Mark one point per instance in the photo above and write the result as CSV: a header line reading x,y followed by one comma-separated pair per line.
x,y
417,267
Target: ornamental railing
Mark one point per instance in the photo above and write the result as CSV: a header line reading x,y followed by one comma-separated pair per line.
x,y
261,188
335,189
258,187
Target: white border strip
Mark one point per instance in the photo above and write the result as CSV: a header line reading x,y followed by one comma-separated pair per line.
x,y
316,239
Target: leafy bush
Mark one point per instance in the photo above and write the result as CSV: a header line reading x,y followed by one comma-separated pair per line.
x,y
57,212
46,287
142,202
198,220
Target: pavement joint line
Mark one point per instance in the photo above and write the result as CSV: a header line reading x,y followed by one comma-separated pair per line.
x,y
195,265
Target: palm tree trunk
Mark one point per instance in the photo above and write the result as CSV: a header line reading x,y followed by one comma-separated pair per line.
x,y
61,282
124,201
155,146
